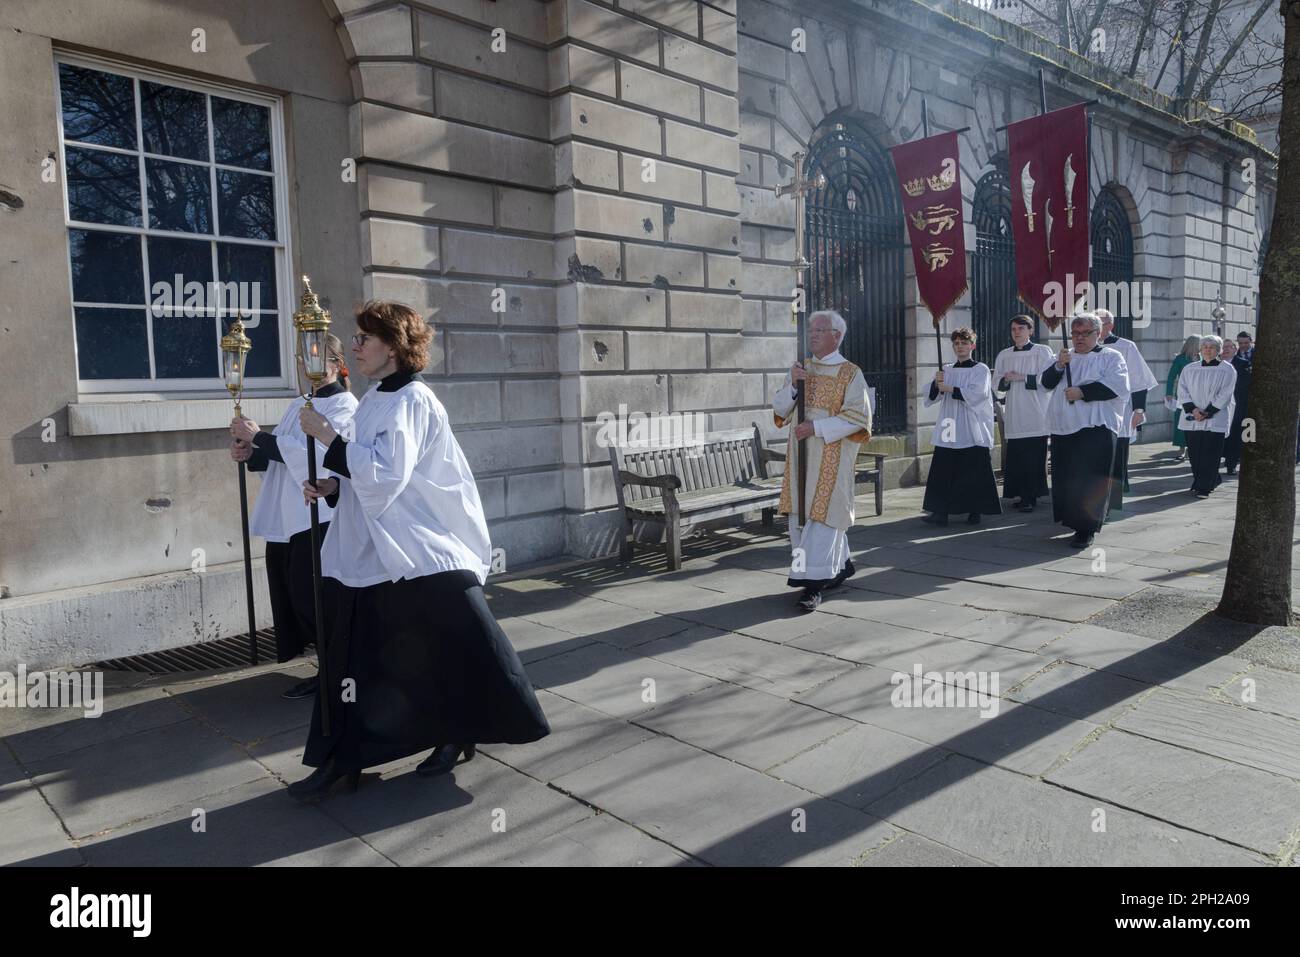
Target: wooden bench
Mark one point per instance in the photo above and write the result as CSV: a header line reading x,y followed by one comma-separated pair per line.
x,y
723,474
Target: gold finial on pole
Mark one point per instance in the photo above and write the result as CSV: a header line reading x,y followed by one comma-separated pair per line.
x,y
312,323
235,347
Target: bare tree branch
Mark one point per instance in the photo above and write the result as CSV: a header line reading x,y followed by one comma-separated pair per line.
x,y
1202,47
1246,31
1147,16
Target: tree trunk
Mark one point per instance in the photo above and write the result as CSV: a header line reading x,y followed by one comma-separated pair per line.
x,y
1258,584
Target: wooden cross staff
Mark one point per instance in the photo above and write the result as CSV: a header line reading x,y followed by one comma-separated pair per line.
x,y
799,187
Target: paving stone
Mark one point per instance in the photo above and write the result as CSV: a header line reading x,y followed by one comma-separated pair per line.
x,y
579,736
1012,630
750,662
611,680
1264,741
1136,657
721,812
1248,807
863,641
1080,692
1007,819
32,834
1016,736
419,822
606,621
910,850
96,788
51,731
859,766
250,825
599,841
1277,692
959,655
533,641
746,726
250,709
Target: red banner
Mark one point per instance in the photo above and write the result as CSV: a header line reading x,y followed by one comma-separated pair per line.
x,y
929,178
1048,168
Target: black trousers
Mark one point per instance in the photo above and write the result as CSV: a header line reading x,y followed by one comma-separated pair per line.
x,y
293,603
1024,474
1082,463
1232,444
1204,449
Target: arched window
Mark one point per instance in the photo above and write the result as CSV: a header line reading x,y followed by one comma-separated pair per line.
x,y
854,238
1112,259
994,296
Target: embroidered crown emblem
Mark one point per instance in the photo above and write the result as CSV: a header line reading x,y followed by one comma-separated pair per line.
x,y
914,187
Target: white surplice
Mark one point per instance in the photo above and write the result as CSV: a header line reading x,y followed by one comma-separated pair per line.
x,y
1025,414
1140,379
409,506
1206,386
967,421
280,512
1102,365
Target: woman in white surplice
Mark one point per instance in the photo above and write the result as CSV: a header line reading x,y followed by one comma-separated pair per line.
x,y
415,659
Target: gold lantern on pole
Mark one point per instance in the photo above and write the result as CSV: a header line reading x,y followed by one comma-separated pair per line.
x,y
311,325
235,347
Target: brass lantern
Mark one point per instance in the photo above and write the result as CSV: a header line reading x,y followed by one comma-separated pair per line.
x,y
311,325
235,347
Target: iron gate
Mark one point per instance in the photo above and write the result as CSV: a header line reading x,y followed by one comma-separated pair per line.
x,y
854,238
1112,256
995,299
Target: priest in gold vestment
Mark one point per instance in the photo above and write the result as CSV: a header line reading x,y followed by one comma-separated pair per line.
x,y
838,414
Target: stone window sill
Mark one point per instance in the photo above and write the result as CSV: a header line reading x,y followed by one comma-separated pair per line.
x,y
169,415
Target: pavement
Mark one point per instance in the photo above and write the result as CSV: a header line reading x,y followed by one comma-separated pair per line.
x,y
700,718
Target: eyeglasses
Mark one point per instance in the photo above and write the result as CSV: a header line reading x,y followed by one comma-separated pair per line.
x,y
359,340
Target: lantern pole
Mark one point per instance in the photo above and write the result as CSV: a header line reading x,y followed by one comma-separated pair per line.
x,y
236,346
312,323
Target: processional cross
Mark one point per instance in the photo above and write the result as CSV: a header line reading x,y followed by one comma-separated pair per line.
x,y
799,187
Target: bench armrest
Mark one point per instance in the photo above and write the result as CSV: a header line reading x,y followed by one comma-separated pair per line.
x,y
670,482
770,455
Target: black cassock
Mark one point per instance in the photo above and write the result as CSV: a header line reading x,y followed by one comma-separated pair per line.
x,y
961,482
1081,478
1024,475
431,666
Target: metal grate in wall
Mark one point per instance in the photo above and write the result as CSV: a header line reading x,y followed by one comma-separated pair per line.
x,y
232,652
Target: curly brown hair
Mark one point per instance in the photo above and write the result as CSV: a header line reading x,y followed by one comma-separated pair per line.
x,y
963,332
402,328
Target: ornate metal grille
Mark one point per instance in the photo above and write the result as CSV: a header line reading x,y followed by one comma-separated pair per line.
x,y
854,235
994,296
1112,255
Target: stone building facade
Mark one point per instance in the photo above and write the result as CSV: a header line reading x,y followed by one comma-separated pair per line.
x,y
579,196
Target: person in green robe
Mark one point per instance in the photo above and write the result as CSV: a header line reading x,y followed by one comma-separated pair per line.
x,y
1190,353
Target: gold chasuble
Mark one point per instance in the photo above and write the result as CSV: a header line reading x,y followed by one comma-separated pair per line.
x,y
837,393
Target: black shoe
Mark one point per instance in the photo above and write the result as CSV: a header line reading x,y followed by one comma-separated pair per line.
x,y
973,518
846,572
1081,540
319,783
1027,506
303,689
809,600
443,758
935,519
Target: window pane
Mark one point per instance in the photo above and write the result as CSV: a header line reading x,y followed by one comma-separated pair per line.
x,y
98,107
249,265
106,267
180,196
185,347
246,202
174,121
103,187
263,331
241,133
112,344
174,263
